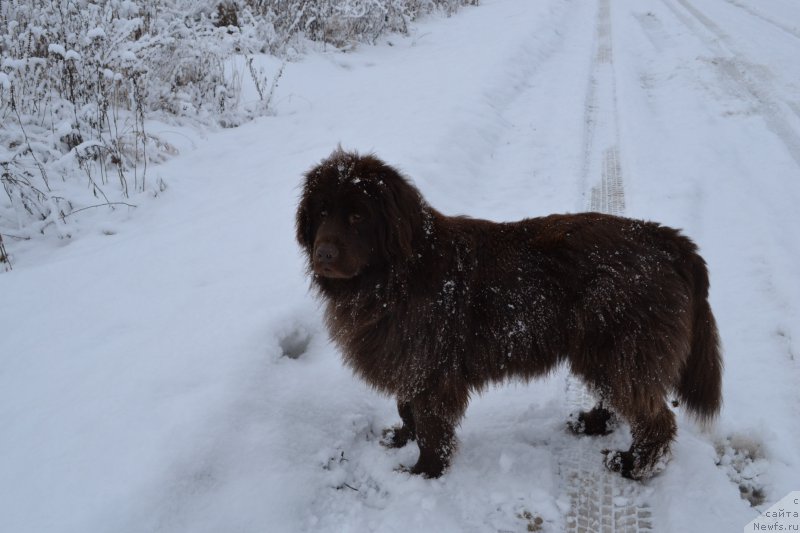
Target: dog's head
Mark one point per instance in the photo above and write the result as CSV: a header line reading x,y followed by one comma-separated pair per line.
x,y
356,213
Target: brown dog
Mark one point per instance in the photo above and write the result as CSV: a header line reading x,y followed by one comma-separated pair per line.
x,y
431,308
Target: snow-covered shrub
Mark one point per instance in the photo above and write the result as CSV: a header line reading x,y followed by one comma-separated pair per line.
x,y
78,79
338,22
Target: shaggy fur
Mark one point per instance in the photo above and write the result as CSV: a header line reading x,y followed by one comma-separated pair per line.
x,y
431,309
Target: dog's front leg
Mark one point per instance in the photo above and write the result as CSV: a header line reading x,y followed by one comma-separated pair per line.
x,y
435,429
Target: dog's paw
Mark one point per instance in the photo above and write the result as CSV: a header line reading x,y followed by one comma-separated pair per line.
x,y
428,471
621,462
575,423
396,437
402,469
636,465
598,421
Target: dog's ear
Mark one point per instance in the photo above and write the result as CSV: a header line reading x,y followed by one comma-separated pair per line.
x,y
303,227
303,223
402,209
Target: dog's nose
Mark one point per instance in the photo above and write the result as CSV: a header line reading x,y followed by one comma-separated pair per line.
x,y
326,253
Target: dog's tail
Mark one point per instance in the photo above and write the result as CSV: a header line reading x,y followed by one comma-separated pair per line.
x,y
700,386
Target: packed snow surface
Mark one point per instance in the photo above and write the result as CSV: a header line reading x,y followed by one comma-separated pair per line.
x,y
168,370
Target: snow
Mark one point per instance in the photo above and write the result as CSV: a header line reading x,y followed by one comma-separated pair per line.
x,y
168,370
96,33
55,48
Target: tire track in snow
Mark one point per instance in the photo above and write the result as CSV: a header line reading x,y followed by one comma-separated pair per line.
x,y
494,122
600,501
741,74
743,79
609,195
601,152
769,20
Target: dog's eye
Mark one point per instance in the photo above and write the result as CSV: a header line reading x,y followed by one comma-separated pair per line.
x,y
355,218
323,213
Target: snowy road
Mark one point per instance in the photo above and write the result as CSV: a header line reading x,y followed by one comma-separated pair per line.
x,y
146,382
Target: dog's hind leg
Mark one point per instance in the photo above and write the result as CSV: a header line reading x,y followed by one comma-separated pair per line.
x,y
653,432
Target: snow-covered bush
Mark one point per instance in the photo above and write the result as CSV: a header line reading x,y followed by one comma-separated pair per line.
x,y
338,22
79,80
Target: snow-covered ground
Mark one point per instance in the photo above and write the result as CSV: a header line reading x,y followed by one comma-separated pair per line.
x,y
170,372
